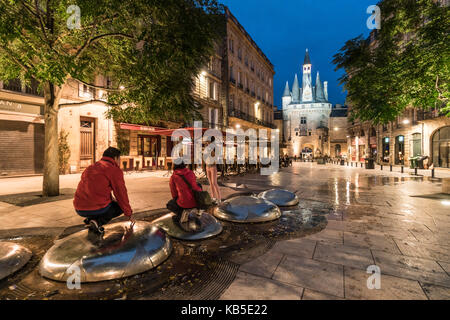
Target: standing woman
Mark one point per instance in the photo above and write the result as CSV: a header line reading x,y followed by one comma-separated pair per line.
x,y
211,173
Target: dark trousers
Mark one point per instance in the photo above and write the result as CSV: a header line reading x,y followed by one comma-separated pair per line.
x,y
173,206
105,216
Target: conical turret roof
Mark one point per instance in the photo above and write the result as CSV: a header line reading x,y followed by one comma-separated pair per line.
x,y
287,92
307,59
320,96
296,90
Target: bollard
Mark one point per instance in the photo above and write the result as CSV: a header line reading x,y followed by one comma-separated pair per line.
x,y
432,173
415,171
391,168
381,167
403,169
352,164
361,165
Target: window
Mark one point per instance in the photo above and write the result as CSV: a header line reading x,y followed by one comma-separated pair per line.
x,y
240,54
232,45
13,85
303,120
211,90
213,118
86,92
231,102
416,144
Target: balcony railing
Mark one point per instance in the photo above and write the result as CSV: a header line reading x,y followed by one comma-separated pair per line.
x,y
244,116
233,81
241,86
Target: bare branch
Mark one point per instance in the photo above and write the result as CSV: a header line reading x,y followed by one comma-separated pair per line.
x,y
103,88
78,104
94,39
41,23
15,59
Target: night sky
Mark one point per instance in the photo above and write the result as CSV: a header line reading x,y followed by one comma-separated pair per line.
x,y
283,29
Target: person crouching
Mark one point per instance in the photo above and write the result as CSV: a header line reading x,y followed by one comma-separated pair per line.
x,y
93,200
182,195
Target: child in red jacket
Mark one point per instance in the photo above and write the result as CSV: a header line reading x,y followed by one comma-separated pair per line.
x,y
182,195
93,199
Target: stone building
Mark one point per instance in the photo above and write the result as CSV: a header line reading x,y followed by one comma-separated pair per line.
x,y
337,141
22,126
306,112
415,132
247,78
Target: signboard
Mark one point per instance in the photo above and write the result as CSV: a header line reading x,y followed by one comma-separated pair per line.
x,y
126,126
21,107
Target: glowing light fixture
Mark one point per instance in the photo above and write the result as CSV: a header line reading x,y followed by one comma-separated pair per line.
x,y
406,121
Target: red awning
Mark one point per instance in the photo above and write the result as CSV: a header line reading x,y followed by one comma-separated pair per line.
x,y
160,131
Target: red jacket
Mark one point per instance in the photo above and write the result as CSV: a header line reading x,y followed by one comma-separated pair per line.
x,y
97,182
181,191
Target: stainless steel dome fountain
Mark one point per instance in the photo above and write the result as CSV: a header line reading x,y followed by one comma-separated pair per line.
x,y
13,257
280,197
247,209
209,228
118,254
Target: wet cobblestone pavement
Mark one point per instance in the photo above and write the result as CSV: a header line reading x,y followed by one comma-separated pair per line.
x,y
347,220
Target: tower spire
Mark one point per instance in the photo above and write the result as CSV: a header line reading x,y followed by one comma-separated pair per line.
x,y
307,59
320,96
287,92
295,90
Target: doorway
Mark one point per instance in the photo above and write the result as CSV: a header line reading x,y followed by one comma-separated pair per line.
x,y
399,150
87,142
149,148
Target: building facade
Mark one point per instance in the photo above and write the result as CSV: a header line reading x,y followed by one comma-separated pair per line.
x,y
414,133
248,79
88,130
306,112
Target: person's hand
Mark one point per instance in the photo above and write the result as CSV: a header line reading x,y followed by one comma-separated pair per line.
x,y
132,222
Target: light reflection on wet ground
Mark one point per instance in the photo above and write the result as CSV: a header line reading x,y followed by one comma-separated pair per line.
x,y
203,270
195,270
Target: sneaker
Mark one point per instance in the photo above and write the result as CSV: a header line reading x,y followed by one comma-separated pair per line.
x,y
93,226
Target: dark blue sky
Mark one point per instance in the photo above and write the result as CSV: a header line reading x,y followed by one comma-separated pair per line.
x,y
283,29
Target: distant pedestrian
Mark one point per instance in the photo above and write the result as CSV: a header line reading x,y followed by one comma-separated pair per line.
x,y
93,200
211,172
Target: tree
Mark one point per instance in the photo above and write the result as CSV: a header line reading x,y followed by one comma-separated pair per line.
x,y
151,48
406,66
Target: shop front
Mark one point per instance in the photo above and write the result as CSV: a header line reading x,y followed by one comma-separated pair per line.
x,y
21,137
143,148
441,147
386,151
400,150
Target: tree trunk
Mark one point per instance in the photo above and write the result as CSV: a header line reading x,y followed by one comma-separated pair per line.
x,y
50,187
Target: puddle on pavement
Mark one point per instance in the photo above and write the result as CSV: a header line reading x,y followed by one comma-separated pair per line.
x,y
195,270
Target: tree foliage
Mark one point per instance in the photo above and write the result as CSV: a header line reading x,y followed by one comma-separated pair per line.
x,y
152,49
406,66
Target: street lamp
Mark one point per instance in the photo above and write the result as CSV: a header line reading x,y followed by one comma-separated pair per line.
x,y
406,121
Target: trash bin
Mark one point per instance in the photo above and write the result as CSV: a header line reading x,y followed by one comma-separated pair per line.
x,y
413,162
321,161
420,160
369,163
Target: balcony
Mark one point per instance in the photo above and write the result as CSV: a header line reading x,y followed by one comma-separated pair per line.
x,y
247,90
241,86
244,116
233,81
